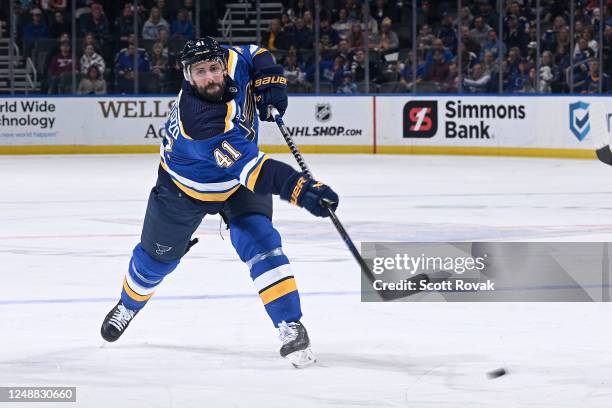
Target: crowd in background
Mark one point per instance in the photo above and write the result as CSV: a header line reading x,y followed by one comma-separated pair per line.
x,y
346,34
349,35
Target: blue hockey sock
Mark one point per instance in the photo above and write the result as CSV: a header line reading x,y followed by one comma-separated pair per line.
x,y
143,276
259,245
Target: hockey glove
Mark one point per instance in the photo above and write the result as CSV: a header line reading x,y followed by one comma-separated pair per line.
x,y
270,88
310,194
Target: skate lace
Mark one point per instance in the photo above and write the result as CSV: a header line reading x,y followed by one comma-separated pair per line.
x,y
287,332
121,317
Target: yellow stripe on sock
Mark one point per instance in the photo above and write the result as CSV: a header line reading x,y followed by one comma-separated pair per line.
x,y
278,290
134,295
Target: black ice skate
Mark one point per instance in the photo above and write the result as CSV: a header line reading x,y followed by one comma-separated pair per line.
x,y
296,344
116,321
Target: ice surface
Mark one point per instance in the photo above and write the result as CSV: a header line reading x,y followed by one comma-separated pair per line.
x,y
69,223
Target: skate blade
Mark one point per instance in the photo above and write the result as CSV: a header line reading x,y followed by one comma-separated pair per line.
x,y
302,358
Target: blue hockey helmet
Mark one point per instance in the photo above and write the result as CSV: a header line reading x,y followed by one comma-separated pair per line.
x,y
202,49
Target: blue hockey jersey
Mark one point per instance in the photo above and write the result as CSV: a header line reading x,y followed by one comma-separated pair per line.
x,y
210,149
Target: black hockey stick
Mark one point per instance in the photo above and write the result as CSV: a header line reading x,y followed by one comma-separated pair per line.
x,y
385,294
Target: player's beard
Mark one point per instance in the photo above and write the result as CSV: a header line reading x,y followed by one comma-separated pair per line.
x,y
212,92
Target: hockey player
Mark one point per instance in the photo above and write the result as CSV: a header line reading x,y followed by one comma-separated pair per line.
x,y
210,163
598,121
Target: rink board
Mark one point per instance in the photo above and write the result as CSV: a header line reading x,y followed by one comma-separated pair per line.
x,y
541,126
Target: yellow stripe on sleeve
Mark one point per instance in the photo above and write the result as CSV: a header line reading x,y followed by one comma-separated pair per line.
x,y
260,51
134,295
229,116
252,179
280,289
231,62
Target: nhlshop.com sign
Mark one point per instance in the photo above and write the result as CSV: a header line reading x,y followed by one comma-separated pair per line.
x,y
325,120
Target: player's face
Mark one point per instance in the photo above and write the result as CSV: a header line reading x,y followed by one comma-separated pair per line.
x,y
209,79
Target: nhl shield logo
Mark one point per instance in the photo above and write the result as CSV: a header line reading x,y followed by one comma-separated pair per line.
x,y
579,119
323,112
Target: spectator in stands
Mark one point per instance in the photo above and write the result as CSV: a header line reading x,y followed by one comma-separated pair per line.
x,y
292,70
91,40
164,41
93,83
492,45
550,74
302,37
514,57
59,25
381,10
308,21
586,45
425,39
124,25
58,5
274,38
96,24
36,29
356,37
583,51
563,39
438,45
61,63
124,67
478,81
514,12
489,63
530,85
466,17
150,29
353,10
450,84
328,34
343,24
514,35
562,58
590,85
347,86
486,10
339,68
158,62
387,38
182,28
468,43
358,67
480,32
286,21
297,9
371,28
549,40
407,79
606,49
89,58
166,11
438,70
344,50
447,33
520,77
188,5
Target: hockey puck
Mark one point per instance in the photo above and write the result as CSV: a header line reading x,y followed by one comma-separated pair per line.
x,y
496,373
